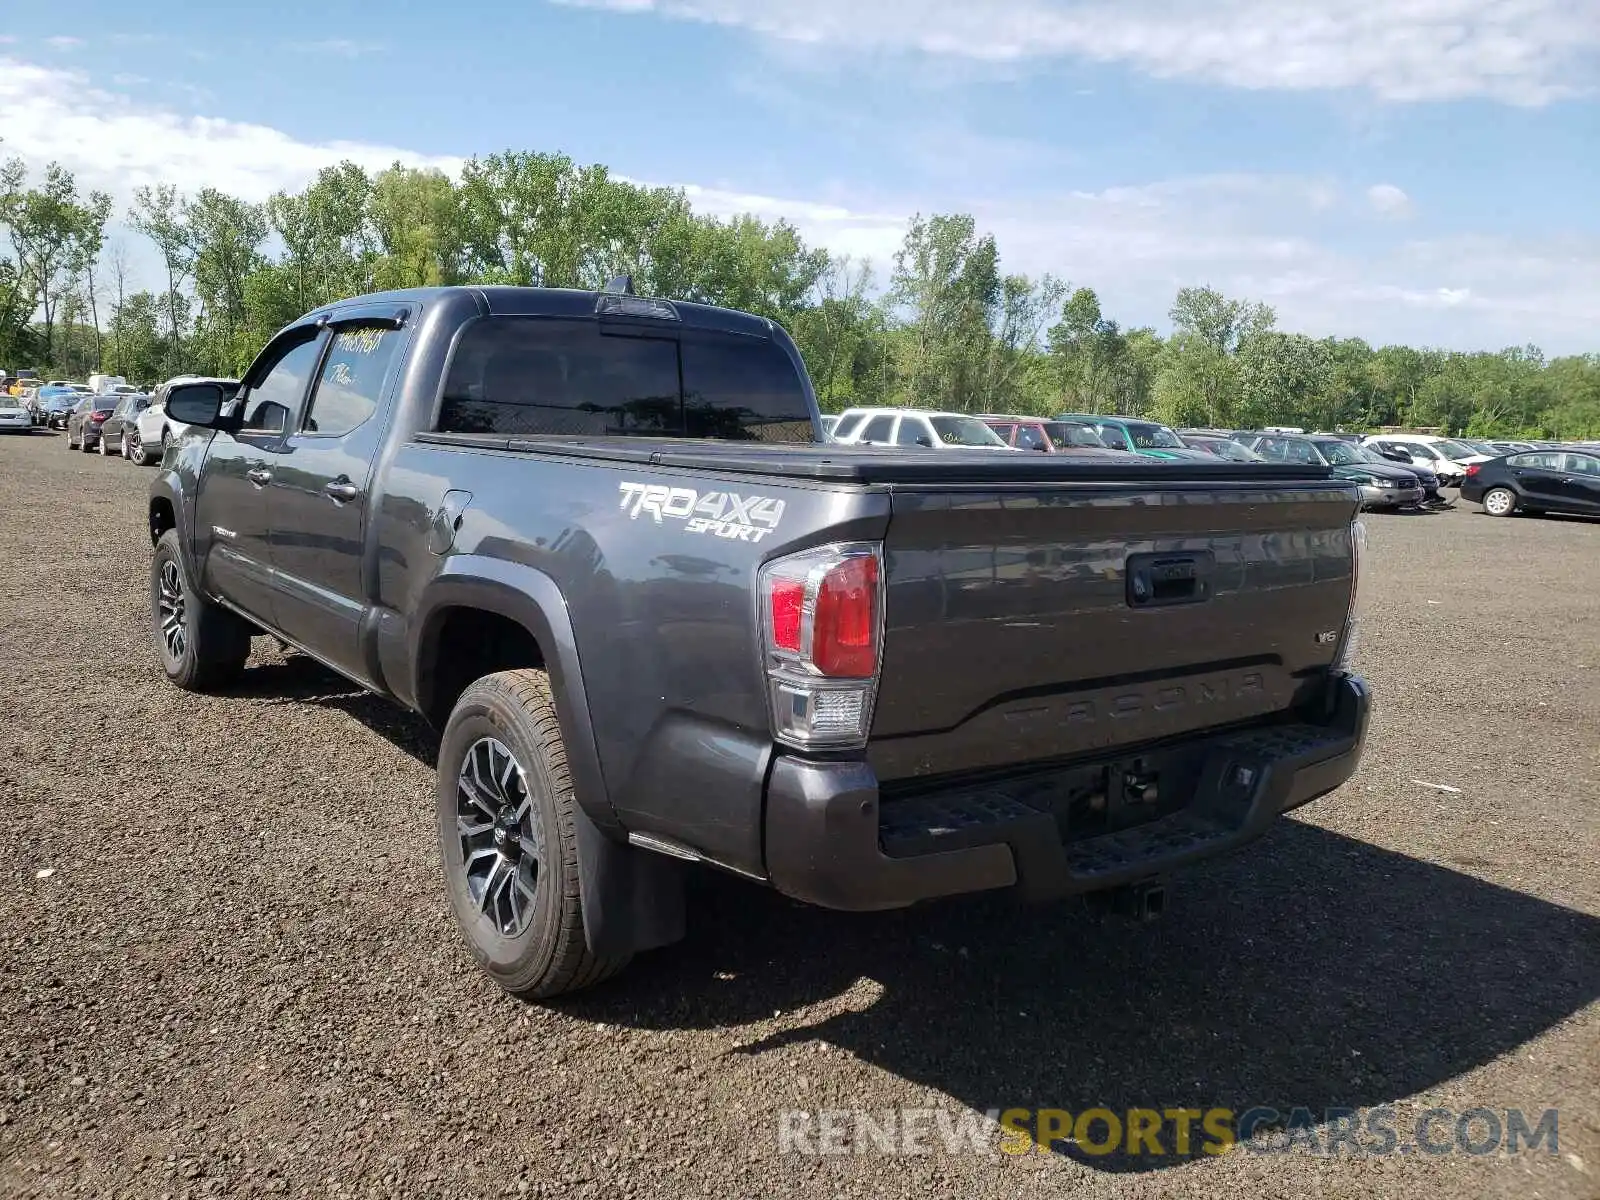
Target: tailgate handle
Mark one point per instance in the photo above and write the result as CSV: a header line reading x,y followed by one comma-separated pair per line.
x,y
1156,580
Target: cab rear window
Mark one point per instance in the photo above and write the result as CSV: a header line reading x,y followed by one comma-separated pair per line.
x,y
540,376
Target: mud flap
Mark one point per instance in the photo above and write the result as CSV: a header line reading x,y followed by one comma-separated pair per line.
x,y
633,900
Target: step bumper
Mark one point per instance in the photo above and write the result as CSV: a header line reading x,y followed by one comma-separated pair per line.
x,y
831,840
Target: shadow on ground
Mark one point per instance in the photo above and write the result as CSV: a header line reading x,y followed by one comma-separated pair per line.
x,y
1310,970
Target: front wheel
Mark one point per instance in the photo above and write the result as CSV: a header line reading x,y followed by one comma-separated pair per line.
x,y
133,448
201,644
103,447
1499,502
506,819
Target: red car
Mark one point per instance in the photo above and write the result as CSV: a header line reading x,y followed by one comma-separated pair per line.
x,y
1036,433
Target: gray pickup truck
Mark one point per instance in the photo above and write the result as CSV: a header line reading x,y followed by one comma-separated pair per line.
x,y
598,542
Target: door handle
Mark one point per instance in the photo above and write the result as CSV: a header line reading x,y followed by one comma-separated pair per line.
x,y
259,476
342,490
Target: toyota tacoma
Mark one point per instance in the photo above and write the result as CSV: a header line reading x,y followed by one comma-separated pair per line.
x,y
599,542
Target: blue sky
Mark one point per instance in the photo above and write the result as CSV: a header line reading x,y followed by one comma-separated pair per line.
x,y
1401,170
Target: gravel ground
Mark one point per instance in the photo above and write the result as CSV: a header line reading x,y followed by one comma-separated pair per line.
x,y
239,976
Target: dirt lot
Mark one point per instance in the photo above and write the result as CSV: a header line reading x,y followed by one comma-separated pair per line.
x,y
239,976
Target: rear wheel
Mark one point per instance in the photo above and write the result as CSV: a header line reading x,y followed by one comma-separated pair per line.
x,y
105,450
202,645
508,840
133,447
1499,502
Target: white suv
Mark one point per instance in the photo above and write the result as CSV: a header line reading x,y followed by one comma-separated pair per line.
x,y
155,432
915,427
1448,458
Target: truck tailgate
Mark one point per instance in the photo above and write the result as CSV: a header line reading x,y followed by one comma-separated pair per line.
x,y
1028,622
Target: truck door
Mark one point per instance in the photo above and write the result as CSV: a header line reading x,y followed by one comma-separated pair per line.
x,y
318,497
231,517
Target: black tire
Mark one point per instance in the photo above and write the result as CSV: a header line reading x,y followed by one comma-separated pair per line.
x,y
166,439
1499,502
547,954
213,643
136,453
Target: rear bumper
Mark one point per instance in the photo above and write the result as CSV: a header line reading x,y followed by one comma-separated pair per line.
x,y
827,828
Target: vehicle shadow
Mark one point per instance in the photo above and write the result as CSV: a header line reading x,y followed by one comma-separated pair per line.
x,y
1310,970
301,679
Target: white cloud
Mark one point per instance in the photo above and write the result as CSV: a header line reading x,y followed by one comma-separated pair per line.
x,y
62,42
340,47
1388,200
1249,235
1519,51
119,144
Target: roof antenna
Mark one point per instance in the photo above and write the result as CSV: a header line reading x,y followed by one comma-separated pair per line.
x,y
621,285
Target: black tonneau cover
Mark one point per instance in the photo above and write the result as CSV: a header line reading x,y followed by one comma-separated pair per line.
x,y
887,464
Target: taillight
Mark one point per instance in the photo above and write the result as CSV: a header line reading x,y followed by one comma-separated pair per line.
x,y
1345,659
98,417
1472,468
821,632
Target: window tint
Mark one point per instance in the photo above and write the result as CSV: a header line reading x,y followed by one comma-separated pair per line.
x,y
1548,462
522,375
530,376
742,388
272,404
879,429
351,384
1583,464
1003,430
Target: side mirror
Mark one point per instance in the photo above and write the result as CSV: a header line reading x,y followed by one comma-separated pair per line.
x,y
1042,447
197,404
925,440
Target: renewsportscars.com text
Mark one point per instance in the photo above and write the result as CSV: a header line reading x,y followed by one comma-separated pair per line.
x,y
1169,1132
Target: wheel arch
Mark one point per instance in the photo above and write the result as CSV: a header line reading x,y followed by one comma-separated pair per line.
x,y
516,616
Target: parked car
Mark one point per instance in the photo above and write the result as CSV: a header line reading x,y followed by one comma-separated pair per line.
x,y
829,420
56,406
1446,458
120,432
1149,438
1536,482
15,416
1382,485
658,625
155,430
914,427
1222,447
1034,433
83,426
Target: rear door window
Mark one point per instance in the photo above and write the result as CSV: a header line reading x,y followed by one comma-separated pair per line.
x,y
350,385
879,429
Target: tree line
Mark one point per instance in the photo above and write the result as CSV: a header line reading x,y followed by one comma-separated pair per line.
x,y
944,325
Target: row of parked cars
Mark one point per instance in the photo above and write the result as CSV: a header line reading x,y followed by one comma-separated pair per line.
x,y
121,420
1393,470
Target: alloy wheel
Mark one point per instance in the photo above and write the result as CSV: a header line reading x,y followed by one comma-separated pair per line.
x,y
170,609
1498,502
501,835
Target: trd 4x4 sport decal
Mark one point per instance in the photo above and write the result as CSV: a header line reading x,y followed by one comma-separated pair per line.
x,y
720,514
